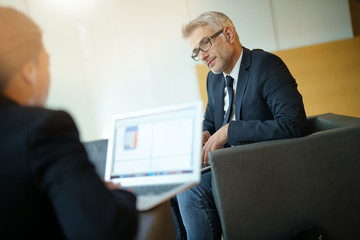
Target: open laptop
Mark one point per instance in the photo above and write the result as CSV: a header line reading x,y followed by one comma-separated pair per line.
x,y
156,152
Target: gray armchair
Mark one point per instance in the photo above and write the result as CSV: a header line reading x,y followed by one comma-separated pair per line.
x,y
270,189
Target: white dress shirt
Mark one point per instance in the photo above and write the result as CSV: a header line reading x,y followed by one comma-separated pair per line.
x,y
234,74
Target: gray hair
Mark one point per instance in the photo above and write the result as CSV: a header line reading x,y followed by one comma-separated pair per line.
x,y
20,42
215,20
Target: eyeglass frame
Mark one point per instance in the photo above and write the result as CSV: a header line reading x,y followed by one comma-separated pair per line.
x,y
195,54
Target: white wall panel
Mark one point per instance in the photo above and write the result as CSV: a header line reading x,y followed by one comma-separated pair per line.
x,y
306,22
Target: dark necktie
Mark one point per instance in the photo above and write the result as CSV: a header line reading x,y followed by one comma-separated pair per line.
x,y
230,91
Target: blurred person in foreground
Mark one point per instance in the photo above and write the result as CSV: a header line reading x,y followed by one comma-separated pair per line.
x,y
252,97
50,190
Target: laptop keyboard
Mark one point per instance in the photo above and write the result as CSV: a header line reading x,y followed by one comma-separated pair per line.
x,y
152,190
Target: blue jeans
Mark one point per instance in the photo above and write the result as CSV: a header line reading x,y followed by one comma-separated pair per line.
x,y
194,212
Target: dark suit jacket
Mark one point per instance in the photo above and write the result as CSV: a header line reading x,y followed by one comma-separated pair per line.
x,y
267,103
49,189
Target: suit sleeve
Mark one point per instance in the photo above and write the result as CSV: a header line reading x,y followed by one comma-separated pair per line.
x,y
85,208
279,90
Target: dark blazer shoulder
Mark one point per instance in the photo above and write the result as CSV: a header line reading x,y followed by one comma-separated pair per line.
x,y
264,65
32,120
260,57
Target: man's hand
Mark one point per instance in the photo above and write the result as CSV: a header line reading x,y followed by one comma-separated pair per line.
x,y
112,186
205,137
216,141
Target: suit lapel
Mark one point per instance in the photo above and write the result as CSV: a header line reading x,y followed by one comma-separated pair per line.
x,y
243,79
219,100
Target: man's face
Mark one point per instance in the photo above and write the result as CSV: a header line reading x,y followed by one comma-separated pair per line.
x,y
218,57
42,83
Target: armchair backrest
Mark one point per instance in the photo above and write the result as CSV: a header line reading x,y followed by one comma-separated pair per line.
x,y
97,154
329,121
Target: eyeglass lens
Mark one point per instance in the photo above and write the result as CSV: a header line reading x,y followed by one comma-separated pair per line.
x,y
205,45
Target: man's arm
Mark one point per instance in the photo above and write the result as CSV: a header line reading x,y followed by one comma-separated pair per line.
x,y
279,90
85,208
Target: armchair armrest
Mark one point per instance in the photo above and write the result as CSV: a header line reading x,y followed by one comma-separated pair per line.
x,y
268,190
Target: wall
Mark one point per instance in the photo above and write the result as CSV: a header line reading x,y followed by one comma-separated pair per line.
x,y
115,55
328,76
307,22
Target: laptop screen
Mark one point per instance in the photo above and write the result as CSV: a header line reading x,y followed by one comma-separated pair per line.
x,y
158,142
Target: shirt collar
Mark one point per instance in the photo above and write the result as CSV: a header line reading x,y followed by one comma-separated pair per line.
x,y
235,71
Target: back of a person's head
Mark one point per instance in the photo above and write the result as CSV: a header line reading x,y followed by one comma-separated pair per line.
x,y
20,42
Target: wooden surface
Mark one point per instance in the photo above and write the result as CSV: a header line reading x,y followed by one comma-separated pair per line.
x,y
157,224
328,76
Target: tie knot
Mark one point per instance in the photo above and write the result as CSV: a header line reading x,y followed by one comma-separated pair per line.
x,y
229,81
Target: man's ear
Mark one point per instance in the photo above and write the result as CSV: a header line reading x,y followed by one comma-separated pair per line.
x,y
229,32
29,72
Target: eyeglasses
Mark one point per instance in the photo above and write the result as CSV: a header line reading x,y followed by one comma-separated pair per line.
x,y
205,46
